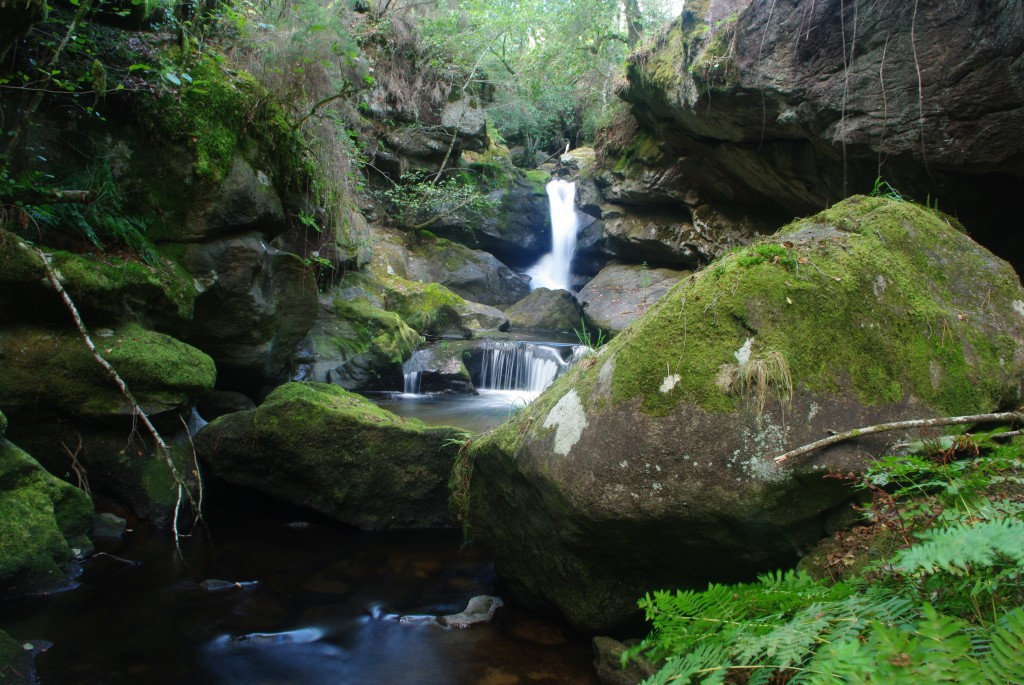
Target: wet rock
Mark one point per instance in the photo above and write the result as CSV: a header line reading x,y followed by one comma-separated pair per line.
x,y
319,446
621,293
45,522
608,664
17,659
110,526
481,609
546,310
256,304
652,466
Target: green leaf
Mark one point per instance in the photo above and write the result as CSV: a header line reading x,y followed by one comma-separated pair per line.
x,y
172,77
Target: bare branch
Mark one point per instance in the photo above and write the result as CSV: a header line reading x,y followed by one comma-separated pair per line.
x,y
1010,416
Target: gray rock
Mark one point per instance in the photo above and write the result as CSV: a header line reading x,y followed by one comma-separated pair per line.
x,y
481,609
621,293
546,310
256,304
759,104
475,275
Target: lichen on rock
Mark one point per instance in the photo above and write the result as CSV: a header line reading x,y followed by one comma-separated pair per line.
x,y
671,480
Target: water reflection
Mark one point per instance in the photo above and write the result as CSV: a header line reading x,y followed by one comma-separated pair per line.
x,y
313,603
475,413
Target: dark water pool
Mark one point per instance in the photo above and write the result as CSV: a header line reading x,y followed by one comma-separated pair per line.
x,y
316,604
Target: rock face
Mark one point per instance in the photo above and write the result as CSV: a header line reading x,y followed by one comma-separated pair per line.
x,y
321,447
798,106
652,466
621,293
546,310
44,517
256,304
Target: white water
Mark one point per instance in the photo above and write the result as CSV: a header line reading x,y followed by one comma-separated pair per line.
x,y
520,366
553,269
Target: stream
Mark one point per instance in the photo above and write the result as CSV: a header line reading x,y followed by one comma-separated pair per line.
x,y
316,603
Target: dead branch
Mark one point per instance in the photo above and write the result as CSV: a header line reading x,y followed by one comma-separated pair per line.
x,y
162,448
51,196
1008,416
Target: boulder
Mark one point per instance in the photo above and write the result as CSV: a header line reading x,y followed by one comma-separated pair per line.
x,y
652,466
620,293
50,373
480,609
608,664
356,345
255,305
795,107
475,275
322,447
441,367
546,310
433,310
45,524
104,287
515,227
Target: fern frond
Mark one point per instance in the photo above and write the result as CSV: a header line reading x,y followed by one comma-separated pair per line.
x,y
961,547
1001,662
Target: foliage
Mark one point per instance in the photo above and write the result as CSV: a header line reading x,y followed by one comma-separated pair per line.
x,y
947,608
417,202
586,336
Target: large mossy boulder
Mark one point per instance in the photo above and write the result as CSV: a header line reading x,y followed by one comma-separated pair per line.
x,y
652,466
51,372
475,275
322,447
43,520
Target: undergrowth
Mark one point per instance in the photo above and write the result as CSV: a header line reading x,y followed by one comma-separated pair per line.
x,y
945,607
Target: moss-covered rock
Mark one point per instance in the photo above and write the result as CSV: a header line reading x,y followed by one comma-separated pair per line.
x,y
43,518
651,466
104,287
356,345
319,446
474,275
546,310
48,372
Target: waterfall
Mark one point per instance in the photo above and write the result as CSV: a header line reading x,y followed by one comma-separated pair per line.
x,y
517,365
411,383
553,269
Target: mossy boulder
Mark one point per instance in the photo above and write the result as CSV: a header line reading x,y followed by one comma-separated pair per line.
x,y
322,447
43,519
475,275
546,310
52,372
356,345
434,310
652,465
102,286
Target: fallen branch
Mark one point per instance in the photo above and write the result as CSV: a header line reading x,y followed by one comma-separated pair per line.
x,y
1011,416
51,196
161,447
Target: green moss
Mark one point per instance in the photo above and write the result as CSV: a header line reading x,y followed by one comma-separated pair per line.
x,y
429,308
103,282
383,333
213,115
872,304
538,180
40,516
55,371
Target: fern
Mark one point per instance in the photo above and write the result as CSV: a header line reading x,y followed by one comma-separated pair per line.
x,y
962,548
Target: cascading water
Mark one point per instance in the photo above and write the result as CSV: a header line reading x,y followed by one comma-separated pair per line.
x,y
553,269
517,365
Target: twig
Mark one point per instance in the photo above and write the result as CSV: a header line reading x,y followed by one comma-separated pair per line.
x,y
161,447
1011,416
